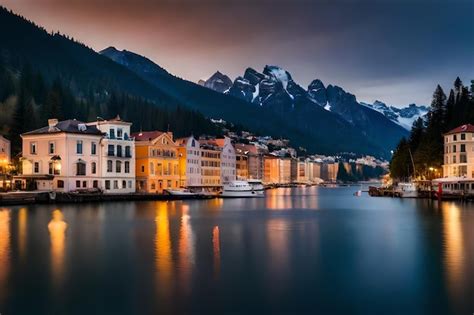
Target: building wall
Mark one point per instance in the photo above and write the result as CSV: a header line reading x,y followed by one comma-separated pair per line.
x,y
228,162
210,167
459,155
64,147
190,163
255,166
271,170
242,166
5,154
285,171
157,164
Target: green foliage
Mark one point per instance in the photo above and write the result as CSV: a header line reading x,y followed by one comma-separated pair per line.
x,y
425,143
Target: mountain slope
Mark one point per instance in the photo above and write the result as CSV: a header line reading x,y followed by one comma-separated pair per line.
x,y
308,126
403,116
276,90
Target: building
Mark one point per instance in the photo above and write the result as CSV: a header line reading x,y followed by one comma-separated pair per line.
x,y
189,155
228,160
242,166
286,170
5,151
210,165
329,171
255,159
63,156
303,171
459,152
117,160
156,161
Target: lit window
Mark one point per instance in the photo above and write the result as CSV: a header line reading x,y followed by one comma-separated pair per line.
x,y
33,148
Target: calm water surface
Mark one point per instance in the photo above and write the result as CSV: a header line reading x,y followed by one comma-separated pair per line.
x,y
307,250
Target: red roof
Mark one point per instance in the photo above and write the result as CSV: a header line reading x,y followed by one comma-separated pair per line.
x,y
147,135
463,128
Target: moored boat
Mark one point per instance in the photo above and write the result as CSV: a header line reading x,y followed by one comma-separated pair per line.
x,y
241,189
407,190
180,192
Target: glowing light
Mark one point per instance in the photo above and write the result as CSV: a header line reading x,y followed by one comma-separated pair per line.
x,y
4,251
163,259
22,221
57,231
186,250
216,245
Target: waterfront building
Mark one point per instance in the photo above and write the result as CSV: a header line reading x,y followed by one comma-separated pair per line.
x,y
210,165
271,169
314,171
5,157
459,152
329,171
117,160
189,156
157,163
286,173
242,166
255,159
63,156
303,171
228,160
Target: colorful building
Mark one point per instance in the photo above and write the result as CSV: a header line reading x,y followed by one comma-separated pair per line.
x,y
63,156
189,154
156,161
117,156
210,165
255,159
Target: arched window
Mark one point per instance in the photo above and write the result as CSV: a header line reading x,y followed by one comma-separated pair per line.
x,y
118,167
93,167
81,168
109,166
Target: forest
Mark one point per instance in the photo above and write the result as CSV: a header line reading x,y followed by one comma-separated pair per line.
x,y
420,155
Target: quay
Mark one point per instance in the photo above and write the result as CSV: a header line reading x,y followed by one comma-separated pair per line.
x,y
22,198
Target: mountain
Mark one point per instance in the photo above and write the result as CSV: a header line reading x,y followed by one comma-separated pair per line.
x,y
107,82
275,89
218,82
284,108
403,116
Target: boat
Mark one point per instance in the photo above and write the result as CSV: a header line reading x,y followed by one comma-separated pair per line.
x,y
180,192
407,190
257,186
241,189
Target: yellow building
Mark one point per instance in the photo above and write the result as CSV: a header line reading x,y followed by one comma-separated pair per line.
x,y
157,161
210,164
242,166
271,169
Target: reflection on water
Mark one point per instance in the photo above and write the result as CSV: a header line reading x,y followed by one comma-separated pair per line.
x,y
22,232
4,250
57,231
453,249
285,198
186,249
216,247
163,259
277,236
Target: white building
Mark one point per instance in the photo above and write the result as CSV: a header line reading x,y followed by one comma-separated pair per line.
x,y
117,156
459,152
228,160
64,156
190,161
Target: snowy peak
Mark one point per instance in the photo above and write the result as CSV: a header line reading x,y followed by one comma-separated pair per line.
x,y
218,82
278,74
403,116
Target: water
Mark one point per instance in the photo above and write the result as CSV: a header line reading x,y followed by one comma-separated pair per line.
x,y
311,250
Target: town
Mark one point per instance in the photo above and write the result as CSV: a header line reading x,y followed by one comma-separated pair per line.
x,y
105,157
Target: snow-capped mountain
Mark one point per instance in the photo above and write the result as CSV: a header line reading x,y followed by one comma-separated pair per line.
x,y
403,116
218,82
275,89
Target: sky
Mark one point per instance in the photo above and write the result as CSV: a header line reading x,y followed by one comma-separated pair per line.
x,y
388,50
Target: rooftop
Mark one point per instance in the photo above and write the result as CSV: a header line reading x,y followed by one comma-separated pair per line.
x,y
147,135
67,126
463,128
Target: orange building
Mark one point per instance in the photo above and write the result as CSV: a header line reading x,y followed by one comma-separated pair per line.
x,y
157,161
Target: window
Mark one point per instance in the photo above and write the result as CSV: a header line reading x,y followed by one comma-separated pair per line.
x,y
54,169
455,138
95,184
93,148
78,184
80,168
143,168
112,133
119,150
454,159
119,132
107,184
36,167
110,150
454,148
462,158
128,152
463,136
51,147
130,184
118,167
109,166
124,184
79,147
33,148
462,148
93,168
115,184
160,169
60,184
84,184
127,167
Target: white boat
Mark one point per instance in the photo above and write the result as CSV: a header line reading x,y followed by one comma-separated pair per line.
x,y
407,190
241,189
257,186
180,192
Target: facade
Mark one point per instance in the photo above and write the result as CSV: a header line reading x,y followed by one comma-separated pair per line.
x,y
210,165
5,152
255,159
271,169
303,171
459,152
228,160
189,154
242,166
117,160
314,171
157,162
64,156
285,170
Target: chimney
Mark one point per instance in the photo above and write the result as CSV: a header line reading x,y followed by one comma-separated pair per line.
x,y
52,123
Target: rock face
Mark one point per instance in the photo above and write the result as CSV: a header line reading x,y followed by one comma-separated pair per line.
x,y
275,89
218,82
403,116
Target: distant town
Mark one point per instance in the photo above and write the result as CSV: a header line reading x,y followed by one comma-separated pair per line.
x,y
104,156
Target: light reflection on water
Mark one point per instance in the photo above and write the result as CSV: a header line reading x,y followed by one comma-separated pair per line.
x,y
238,255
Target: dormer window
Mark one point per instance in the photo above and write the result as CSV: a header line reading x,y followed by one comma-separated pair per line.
x,y
112,133
119,133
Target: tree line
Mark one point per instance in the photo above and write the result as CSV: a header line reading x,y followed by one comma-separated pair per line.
x,y
28,100
421,154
